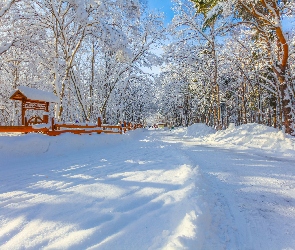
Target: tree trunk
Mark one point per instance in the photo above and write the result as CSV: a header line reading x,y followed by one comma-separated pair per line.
x,y
286,108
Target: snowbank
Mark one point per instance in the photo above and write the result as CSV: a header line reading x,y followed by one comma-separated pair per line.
x,y
199,130
148,189
106,191
255,136
35,144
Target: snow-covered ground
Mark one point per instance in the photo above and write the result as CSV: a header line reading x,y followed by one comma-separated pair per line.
x,y
189,188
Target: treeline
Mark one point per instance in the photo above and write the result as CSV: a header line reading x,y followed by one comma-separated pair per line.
x,y
231,61
227,61
91,54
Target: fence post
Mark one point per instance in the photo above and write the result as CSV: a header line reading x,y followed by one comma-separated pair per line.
x,y
99,122
52,124
121,127
125,126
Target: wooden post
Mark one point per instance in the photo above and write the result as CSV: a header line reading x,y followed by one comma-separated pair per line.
x,y
23,112
45,116
52,124
121,127
99,122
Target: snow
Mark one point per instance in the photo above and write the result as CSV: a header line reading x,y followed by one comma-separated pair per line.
x,y
36,94
188,188
4,46
253,136
41,125
4,9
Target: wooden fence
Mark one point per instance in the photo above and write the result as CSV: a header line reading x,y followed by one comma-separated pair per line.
x,y
57,128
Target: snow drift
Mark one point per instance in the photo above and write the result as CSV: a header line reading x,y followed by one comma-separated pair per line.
x,y
255,136
188,188
35,144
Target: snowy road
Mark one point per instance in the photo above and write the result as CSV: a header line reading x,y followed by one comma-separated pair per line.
x,y
149,190
248,198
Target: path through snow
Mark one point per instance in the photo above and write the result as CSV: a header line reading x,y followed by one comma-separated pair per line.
x,y
145,190
248,198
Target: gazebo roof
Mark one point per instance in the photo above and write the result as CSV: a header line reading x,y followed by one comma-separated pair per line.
x,y
23,92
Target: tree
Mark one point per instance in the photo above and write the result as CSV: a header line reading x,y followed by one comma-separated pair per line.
x,y
198,48
4,8
89,53
265,17
120,67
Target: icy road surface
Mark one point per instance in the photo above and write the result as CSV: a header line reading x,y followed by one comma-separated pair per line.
x,y
146,190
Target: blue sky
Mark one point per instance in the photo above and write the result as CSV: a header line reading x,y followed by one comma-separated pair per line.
x,y
164,6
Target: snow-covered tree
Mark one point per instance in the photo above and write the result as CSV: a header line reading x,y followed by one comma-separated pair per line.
x,y
265,19
87,52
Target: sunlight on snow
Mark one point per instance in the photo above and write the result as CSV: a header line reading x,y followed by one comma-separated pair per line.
x,y
174,196
148,191
53,185
20,199
81,176
13,194
9,225
70,239
223,176
34,232
185,230
138,162
265,181
274,186
30,200
106,240
269,185
98,190
174,177
286,211
69,169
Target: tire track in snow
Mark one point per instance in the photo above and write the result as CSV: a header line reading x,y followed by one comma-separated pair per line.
x,y
90,200
247,198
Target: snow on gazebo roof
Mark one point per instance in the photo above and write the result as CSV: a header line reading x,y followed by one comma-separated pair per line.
x,y
33,94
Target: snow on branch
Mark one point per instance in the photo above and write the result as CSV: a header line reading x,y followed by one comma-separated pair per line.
x,y
6,7
5,46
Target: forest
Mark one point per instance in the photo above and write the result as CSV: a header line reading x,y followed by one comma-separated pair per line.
x,y
220,61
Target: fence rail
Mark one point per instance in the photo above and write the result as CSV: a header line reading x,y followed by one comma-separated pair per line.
x,y
21,129
56,129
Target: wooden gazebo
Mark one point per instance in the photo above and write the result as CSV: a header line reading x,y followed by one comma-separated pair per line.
x,y
34,99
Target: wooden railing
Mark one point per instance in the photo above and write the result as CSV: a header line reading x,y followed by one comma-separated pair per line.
x,y
57,128
22,129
